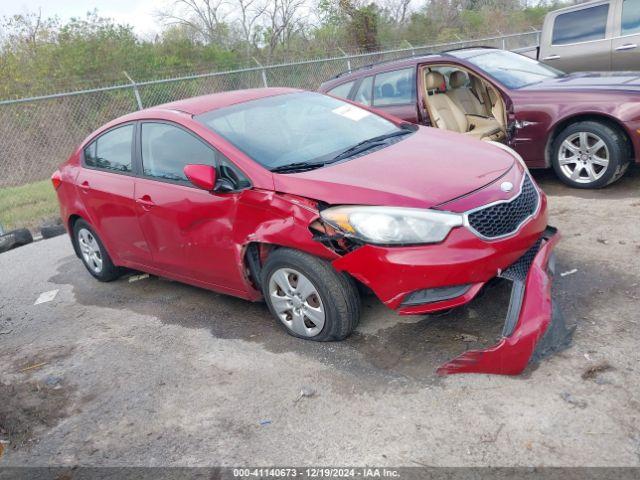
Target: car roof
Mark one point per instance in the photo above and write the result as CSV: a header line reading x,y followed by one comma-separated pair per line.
x,y
214,101
461,53
193,106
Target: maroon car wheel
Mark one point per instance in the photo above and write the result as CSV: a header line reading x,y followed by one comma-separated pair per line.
x,y
590,155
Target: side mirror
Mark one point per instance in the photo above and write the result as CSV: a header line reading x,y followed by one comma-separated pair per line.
x,y
202,176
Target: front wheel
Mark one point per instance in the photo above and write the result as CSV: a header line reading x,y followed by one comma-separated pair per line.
x,y
590,155
309,298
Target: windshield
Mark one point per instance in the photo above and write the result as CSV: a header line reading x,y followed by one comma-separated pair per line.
x,y
297,129
512,70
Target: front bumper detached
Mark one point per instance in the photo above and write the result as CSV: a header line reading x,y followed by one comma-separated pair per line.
x,y
534,327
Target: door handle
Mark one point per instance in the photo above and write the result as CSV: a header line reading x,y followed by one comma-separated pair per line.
x,y
628,46
145,201
552,57
84,187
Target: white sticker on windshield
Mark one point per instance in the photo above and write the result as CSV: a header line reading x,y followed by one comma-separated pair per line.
x,y
351,112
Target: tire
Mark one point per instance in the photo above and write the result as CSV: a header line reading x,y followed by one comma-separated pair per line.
x,y
334,295
94,255
593,173
15,238
52,231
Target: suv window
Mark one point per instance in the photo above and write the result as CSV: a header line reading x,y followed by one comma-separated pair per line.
x,y
111,151
167,149
342,91
630,17
363,95
581,26
395,88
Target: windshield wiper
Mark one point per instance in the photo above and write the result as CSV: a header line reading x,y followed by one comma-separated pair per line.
x,y
297,166
368,144
349,152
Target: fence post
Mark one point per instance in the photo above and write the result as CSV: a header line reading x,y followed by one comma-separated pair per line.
x,y
413,50
264,73
504,40
347,57
135,90
537,32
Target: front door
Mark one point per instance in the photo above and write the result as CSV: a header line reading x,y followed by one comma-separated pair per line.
x,y
189,230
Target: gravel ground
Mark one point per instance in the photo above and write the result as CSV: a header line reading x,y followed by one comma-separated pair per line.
x,y
156,373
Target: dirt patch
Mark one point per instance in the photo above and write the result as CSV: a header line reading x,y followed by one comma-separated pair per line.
x,y
31,401
29,408
593,371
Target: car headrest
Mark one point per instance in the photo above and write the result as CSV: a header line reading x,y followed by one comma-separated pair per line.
x,y
457,79
434,81
387,90
403,86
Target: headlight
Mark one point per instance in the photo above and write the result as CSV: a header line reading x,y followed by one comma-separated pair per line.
x,y
512,152
392,225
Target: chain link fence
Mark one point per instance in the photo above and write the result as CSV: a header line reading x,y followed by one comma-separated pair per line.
x,y
39,133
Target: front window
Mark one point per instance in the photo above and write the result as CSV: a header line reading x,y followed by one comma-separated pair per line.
x,y
167,149
582,25
305,130
395,88
512,70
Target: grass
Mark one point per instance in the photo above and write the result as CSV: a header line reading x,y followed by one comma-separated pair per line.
x,y
27,205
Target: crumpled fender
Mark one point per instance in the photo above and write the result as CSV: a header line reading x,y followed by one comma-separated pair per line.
x,y
273,218
539,330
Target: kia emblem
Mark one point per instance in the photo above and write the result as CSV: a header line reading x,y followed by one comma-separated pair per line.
x,y
506,186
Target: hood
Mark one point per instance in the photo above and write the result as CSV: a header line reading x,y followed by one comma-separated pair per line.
x,y
625,81
427,168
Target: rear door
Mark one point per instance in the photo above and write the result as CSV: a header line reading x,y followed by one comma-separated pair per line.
x,y
579,39
106,185
626,44
189,230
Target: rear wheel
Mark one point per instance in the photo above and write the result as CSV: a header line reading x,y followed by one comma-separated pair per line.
x,y
309,298
590,155
93,254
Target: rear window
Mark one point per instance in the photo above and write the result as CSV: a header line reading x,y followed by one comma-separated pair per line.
x,y
581,26
111,151
341,91
630,17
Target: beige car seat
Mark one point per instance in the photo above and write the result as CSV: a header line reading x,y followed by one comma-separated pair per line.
x,y
462,94
446,114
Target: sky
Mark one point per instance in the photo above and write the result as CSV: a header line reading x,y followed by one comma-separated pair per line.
x,y
138,13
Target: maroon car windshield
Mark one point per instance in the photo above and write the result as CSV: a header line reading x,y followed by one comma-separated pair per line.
x,y
512,70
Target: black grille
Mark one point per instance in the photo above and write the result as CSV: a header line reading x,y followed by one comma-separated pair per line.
x,y
504,218
520,269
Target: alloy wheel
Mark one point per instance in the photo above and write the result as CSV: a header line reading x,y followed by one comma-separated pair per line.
x,y
90,250
583,157
296,302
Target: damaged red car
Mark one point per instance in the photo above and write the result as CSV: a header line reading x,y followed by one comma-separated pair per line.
x,y
303,200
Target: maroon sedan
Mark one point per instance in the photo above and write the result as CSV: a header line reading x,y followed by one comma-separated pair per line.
x,y
584,125
299,198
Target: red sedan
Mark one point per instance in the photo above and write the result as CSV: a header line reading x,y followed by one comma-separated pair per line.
x,y
298,198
